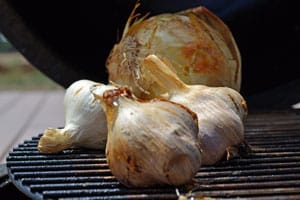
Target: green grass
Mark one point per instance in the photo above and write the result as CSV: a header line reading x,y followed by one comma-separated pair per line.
x,y
17,74
17,79
5,47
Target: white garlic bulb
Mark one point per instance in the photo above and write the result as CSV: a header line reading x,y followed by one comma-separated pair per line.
x,y
220,110
85,120
150,142
199,45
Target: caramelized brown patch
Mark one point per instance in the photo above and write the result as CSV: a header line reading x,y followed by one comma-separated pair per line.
x,y
216,23
234,103
244,106
77,91
128,159
204,57
132,164
110,95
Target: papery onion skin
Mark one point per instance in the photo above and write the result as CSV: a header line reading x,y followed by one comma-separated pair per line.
x,y
198,44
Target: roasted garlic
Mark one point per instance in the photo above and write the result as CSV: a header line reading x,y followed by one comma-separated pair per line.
x,y
85,120
150,142
220,110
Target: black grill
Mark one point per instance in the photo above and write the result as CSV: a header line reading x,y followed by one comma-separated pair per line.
x,y
270,171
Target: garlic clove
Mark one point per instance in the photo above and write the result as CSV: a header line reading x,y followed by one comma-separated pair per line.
x,y
85,120
233,99
219,127
220,110
200,47
150,142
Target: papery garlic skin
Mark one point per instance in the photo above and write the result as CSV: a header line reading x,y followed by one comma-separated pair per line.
x,y
150,143
199,46
220,110
85,120
220,125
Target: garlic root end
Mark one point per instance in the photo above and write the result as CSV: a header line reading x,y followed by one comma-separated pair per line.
x,y
238,151
54,141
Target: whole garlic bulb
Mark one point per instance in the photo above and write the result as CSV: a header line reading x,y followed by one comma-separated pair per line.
x,y
220,110
85,120
199,46
150,142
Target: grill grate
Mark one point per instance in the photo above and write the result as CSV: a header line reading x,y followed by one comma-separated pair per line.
x,y
271,170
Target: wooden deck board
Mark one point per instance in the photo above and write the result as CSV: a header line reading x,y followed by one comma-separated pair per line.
x,y
50,114
26,114
8,100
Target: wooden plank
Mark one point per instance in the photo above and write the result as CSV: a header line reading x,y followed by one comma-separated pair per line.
x,y
7,100
16,118
33,112
51,114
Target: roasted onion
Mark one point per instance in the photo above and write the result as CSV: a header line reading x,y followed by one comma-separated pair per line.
x,y
200,47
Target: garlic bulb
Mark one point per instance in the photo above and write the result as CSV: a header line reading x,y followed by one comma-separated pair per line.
x,y
199,46
85,120
150,142
220,110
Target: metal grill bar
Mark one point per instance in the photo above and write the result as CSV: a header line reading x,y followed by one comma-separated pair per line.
x,y
58,186
271,170
252,192
77,179
56,173
103,192
86,166
21,162
166,196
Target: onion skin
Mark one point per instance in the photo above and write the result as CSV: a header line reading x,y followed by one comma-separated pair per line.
x,y
199,46
150,142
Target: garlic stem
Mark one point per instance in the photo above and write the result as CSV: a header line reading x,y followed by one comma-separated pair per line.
x,y
110,102
162,74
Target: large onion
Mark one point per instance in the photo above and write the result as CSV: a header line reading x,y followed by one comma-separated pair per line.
x,y
199,45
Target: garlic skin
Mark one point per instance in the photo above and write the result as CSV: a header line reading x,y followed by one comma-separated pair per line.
x,y
199,46
150,142
85,120
220,110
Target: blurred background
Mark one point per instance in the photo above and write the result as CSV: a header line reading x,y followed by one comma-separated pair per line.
x,y
70,41
29,100
16,73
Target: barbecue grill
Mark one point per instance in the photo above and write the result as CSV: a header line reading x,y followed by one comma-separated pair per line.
x,y
271,170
